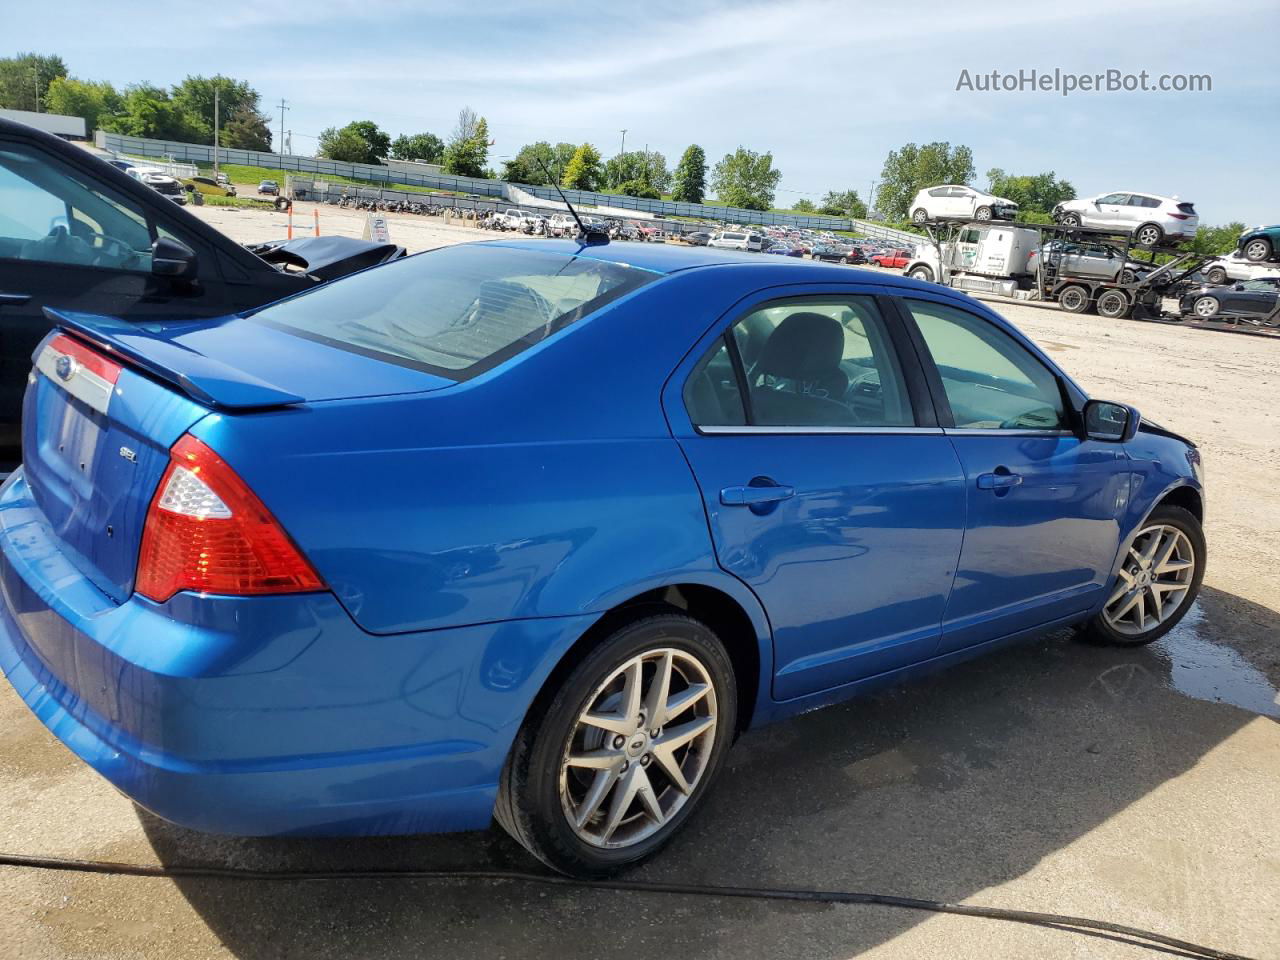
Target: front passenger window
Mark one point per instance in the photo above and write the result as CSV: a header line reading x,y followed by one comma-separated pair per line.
x,y
990,380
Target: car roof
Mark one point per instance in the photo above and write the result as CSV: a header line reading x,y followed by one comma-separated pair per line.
x,y
667,259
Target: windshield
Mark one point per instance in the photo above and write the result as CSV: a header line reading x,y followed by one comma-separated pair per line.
x,y
457,311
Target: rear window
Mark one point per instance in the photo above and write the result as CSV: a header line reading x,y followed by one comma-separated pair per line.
x,y
1186,208
734,236
456,311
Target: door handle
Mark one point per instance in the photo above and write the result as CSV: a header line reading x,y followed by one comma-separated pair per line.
x,y
752,496
13,299
999,481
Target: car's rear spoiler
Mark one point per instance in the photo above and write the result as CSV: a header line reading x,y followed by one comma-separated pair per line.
x,y
207,381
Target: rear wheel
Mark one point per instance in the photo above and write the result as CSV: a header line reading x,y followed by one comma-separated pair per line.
x,y
603,773
1157,582
1258,249
1113,304
1148,235
1074,299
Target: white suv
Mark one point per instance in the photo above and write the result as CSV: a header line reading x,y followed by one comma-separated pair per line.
x,y
954,201
1151,219
737,240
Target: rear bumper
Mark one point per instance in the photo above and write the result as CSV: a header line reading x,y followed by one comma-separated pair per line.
x,y
265,715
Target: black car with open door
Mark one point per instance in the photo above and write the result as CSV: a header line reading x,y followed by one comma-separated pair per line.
x,y
76,233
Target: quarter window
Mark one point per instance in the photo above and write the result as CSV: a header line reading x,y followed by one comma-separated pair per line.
x,y
990,380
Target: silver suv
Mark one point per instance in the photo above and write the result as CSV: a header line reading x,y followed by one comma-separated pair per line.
x,y
1151,219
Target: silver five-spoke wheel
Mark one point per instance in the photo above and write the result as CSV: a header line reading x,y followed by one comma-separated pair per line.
x,y
639,749
1154,579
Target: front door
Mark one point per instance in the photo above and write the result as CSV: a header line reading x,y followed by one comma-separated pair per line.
x,y
1044,505
827,490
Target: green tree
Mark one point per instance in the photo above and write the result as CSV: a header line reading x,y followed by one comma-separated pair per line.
x,y
246,129
96,102
25,79
195,96
638,188
1216,240
746,179
468,149
912,168
804,206
584,171
149,111
649,168
690,180
843,203
424,147
360,141
1033,194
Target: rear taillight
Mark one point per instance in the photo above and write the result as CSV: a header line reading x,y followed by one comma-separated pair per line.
x,y
206,531
1180,216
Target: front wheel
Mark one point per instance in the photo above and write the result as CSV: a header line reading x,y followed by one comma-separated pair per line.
x,y
921,273
1257,250
982,213
606,770
1158,579
1216,276
1206,307
1070,220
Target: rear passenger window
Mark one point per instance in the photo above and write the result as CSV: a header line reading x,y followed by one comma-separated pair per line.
x,y
813,362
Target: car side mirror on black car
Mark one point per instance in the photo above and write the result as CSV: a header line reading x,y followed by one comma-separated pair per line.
x,y
1110,422
173,258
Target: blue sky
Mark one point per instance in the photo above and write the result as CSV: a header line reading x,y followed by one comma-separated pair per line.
x,y
828,87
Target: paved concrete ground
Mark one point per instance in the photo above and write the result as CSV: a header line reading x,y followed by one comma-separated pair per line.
x,y
1140,786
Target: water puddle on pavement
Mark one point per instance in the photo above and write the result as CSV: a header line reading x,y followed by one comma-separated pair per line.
x,y
1205,670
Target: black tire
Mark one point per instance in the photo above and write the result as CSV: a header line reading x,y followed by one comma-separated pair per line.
x,y
1113,304
1148,235
1216,276
919,215
1258,249
1073,298
1206,307
1098,630
529,806
922,273
982,213
1070,220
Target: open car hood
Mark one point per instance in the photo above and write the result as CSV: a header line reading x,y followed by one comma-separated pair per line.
x,y
326,258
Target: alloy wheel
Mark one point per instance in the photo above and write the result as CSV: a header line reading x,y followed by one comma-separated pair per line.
x,y
639,748
1148,236
1154,579
1257,250
1206,307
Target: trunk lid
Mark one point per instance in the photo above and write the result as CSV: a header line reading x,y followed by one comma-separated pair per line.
x,y
107,399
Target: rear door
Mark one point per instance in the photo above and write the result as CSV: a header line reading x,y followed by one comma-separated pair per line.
x,y
1043,525
828,486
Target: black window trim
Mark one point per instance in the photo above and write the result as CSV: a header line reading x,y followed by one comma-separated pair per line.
x,y
939,394
918,393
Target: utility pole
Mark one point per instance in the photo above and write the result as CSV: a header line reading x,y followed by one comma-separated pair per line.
x,y
283,107
215,132
35,86
623,149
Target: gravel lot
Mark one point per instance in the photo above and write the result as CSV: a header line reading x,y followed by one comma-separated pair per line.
x,y
1140,787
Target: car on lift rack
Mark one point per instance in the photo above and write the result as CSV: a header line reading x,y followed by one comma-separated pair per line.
x,y
1234,266
954,201
1153,220
1252,299
1260,243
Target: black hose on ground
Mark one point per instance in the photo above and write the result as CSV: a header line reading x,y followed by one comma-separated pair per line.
x,y
1132,935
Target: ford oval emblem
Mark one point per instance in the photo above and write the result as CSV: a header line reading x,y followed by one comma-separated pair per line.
x,y
64,367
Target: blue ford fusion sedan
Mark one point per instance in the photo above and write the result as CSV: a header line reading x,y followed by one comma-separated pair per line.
x,y
532,530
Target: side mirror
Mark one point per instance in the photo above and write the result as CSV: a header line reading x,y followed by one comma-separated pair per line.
x,y
1110,422
173,258
1238,286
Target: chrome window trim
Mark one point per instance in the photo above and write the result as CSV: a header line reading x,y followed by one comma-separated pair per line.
x,y
1002,431
775,431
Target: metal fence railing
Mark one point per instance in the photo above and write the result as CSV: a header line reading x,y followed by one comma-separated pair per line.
x,y
317,168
